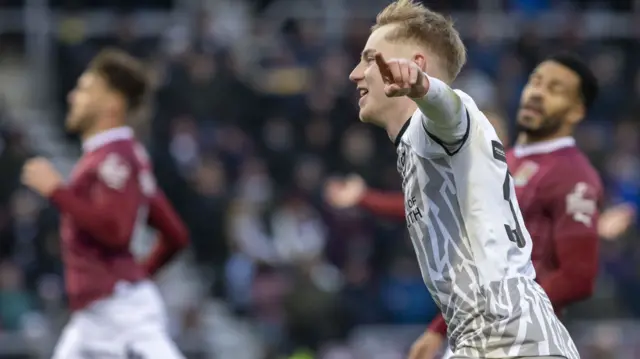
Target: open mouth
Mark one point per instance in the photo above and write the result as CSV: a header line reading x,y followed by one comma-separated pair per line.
x,y
362,93
531,109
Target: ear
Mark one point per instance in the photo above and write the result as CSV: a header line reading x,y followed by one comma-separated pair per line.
x,y
576,114
420,60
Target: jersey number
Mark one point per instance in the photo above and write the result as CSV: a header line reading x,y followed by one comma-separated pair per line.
x,y
514,234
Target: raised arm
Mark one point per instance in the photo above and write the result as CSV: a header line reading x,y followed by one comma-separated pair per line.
x,y
445,117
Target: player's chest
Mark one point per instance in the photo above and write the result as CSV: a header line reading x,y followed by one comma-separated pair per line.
x,y
413,199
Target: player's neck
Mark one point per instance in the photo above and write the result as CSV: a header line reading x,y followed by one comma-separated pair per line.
x,y
395,123
527,139
97,130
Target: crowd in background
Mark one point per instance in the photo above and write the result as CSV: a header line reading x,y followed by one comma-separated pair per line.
x,y
244,132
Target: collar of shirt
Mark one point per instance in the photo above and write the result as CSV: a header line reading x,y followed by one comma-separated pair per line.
x,y
103,138
398,138
544,147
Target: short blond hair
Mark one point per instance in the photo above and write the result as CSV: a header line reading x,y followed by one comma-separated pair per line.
x,y
428,29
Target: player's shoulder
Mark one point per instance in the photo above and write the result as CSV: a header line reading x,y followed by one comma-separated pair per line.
x,y
118,162
128,151
572,172
478,128
417,139
413,133
571,163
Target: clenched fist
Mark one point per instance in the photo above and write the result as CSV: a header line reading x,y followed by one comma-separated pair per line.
x,y
39,175
402,77
345,193
615,221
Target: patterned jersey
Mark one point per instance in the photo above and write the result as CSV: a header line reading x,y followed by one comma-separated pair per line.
x,y
467,230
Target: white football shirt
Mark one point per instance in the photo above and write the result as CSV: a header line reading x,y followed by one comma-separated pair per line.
x,y
468,233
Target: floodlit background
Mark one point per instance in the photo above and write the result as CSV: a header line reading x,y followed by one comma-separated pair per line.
x,y
253,110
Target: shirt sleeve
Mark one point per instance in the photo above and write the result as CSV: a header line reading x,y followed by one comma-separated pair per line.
x,y
444,116
108,212
384,204
573,202
172,233
438,325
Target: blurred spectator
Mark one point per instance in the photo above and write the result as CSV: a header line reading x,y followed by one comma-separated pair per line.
x,y
404,295
15,300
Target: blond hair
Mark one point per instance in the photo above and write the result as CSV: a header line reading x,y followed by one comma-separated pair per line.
x,y
426,28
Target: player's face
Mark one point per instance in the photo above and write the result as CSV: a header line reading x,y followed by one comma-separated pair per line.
x,y
86,102
550,100
375,106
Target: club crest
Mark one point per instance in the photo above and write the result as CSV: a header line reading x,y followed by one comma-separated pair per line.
x,y
524,173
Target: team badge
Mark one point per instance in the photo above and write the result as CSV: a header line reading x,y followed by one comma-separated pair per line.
x,y
524,173
114,171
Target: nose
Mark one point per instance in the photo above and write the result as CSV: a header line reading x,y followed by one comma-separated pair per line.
x,y
531,94
70,96
536,91
357,74
536,96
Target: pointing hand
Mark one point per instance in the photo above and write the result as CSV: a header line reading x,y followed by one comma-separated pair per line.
x,y
402,77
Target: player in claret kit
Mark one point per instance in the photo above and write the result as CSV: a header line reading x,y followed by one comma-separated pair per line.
x,y
117,310
558,190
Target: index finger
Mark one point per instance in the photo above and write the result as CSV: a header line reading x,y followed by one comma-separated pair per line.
x,y
385,71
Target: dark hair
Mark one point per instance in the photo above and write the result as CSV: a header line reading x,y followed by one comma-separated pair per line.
x,y
123,73
588,81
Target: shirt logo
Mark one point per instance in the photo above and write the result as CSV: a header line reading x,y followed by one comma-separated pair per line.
x,y
579,206
524,173
114,172
413,213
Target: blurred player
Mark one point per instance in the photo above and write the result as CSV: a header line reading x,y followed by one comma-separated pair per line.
x,y
117,311
462,215
558,190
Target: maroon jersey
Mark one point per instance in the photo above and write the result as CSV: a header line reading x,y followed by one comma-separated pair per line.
x,y
110,196
559,194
